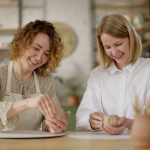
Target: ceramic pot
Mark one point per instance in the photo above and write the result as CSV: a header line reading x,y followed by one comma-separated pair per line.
x,y
73,101
140,131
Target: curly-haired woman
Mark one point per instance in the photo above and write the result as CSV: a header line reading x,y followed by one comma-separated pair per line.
x,y
27,91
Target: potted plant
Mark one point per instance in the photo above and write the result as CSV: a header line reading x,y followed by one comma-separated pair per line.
x,y
73,95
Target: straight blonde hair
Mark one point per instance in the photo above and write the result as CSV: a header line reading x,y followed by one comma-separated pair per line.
x,y
117,26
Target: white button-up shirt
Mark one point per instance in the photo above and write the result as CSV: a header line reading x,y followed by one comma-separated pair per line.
x,y
111,91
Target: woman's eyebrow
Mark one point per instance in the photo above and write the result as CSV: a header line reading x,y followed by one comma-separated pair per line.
x,y
38,45
114,43
41,47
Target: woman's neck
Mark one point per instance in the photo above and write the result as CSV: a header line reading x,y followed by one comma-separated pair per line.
x,y
20,71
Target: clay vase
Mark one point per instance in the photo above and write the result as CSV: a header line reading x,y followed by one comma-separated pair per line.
x,y
140,131
72,101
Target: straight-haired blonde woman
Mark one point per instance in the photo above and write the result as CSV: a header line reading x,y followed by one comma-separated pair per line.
x,y
121,67
27,91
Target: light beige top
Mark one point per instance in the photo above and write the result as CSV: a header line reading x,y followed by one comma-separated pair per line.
x,y
26,88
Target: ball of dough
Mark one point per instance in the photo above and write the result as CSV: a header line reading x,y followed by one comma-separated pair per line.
x,y
111,120
59,113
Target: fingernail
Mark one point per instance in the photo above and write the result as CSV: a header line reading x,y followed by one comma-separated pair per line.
x,y
52,115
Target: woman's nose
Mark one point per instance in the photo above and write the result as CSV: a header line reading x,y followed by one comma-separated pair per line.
x,y
39,56
114,51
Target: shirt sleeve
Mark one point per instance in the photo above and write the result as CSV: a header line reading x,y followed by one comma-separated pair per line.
x,y
89,103
4,107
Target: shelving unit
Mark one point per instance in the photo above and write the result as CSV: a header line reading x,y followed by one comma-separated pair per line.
x,y
144,28
142,4
7,31
4,48
10,30
9,4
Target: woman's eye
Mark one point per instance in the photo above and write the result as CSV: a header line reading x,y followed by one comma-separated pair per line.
x,y
36,48
46,54
119,44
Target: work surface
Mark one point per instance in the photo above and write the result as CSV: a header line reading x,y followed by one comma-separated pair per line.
x,y
66,143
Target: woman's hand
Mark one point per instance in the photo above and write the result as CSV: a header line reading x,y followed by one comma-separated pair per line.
x,y
96,120
44,103
123,121
57,125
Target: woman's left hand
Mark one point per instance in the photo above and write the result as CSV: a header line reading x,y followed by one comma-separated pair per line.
x,y
123,121
58,125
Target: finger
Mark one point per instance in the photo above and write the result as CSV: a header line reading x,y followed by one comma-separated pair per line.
x,y
95,116
51,103
43,106
59,123
103,129
114,130
68,113
54,126
42,110
49,106
52,130
121,120
99,114
64,121
94,123
47,109
121,128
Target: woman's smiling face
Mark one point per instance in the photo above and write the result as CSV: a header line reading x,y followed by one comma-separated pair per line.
x,y
117,48
38,53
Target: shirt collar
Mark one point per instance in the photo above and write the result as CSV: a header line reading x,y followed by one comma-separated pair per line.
x,y
130,68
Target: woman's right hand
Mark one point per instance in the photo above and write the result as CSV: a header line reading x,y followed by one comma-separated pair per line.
x,y
44,103
96,120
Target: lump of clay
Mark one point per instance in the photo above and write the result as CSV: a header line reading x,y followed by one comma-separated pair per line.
x,y
59,113
111,120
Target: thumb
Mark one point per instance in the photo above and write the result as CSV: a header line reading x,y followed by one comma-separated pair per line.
x,y
67,113
121,120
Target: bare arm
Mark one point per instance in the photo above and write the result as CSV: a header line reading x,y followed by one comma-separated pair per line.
x,y
16,108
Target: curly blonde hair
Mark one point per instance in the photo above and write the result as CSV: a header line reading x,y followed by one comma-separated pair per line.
x,y
24,38
117,26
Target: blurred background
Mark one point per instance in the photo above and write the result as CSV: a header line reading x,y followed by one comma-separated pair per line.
x,y
76,20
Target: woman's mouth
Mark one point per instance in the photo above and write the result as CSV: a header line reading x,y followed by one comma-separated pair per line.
x,y
119,56
34,63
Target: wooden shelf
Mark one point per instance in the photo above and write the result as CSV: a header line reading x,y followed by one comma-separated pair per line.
x,y
143,4
9,4
4,48
7,31
146,45
145,27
